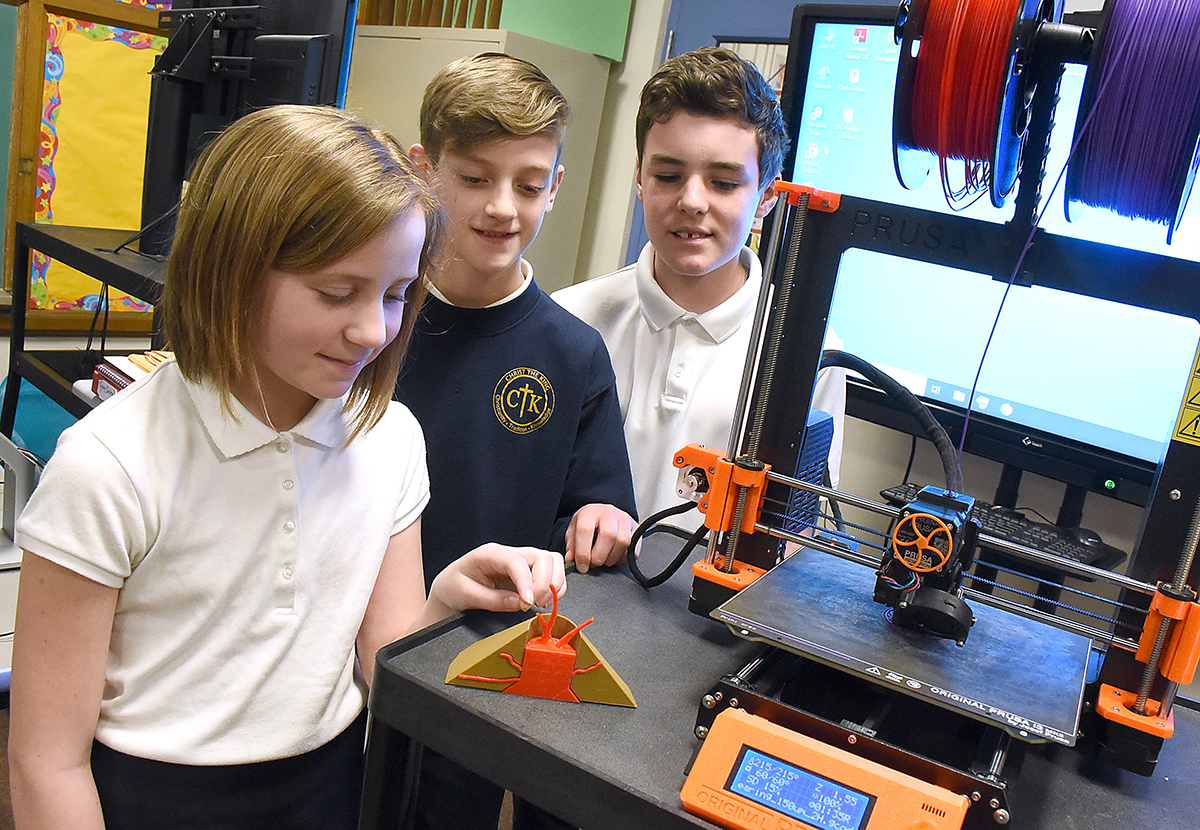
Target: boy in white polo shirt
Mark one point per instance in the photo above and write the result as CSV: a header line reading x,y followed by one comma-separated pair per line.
x,y
710,146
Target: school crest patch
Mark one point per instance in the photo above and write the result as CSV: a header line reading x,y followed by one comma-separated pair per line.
x,y
523,400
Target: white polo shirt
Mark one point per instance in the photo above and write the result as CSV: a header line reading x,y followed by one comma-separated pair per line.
x,y
245,559
678,373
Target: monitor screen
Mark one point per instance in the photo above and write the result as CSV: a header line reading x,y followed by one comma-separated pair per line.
x,y
1103,376
1094,371
842,135
810,798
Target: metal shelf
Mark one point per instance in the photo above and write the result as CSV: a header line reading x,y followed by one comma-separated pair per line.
x,y
96,252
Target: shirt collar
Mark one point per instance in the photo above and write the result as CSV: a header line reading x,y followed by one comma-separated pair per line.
x,y
718,323
239,432
526,281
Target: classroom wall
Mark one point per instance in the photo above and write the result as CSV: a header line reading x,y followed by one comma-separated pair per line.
x,y
611,197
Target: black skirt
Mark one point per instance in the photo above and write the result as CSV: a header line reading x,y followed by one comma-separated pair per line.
x,y
319,790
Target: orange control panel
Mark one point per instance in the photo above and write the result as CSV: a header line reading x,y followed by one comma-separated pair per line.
x,y
751,774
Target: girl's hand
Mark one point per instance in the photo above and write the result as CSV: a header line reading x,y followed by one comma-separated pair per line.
x,y
497,577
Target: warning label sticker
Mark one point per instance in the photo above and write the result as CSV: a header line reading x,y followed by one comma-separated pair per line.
x,y
1187,425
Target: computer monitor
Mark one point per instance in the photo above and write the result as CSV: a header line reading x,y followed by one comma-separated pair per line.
x,y
1085,373
839,100
296,52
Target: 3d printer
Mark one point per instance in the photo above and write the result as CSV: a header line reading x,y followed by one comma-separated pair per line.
x,y
917,716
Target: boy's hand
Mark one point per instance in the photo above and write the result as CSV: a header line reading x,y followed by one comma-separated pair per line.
x,y
598,535
497,577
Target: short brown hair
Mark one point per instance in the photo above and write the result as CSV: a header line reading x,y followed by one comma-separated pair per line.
x,y
489,96
292,188
720,83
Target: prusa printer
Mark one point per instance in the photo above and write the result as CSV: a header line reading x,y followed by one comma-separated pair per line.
x,y
919,716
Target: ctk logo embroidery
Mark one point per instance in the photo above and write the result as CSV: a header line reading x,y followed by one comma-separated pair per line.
x,y
524,400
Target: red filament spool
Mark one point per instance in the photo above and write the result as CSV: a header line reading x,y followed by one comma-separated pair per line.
x,y
958,92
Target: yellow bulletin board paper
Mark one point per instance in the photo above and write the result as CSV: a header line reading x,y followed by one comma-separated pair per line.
x,y
93,146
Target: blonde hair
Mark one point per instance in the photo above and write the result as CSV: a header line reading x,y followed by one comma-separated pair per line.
x,y
489,96
292,188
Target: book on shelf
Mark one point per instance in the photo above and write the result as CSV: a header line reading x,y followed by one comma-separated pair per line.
x,y
116,372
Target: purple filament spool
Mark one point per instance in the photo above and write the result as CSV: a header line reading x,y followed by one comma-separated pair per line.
x,y
1136,151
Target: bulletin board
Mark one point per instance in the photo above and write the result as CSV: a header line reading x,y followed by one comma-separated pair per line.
x,y
92,147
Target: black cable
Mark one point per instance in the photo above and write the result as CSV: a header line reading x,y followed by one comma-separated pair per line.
x,y
834,507
651,525
101,305
830,357
151,225
908,401
33,456
912,456
87,347
1034,510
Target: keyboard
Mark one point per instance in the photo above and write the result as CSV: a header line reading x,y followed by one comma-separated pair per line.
x,y
1010,526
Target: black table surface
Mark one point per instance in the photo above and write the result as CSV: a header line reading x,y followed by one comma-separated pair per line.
x,y
601,766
